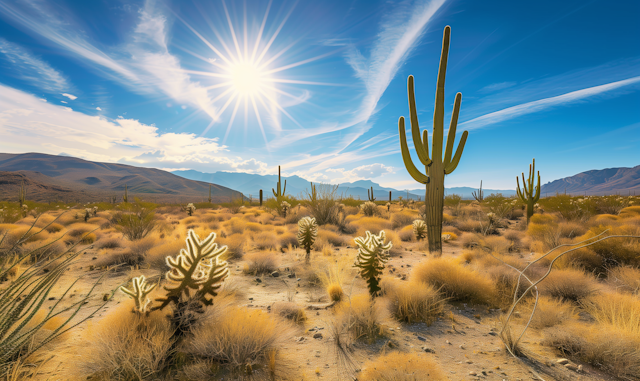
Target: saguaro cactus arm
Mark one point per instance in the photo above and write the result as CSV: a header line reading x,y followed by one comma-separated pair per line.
x,y
528,185
406,157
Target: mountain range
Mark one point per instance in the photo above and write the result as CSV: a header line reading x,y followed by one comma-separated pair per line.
x,y
49,177
622,181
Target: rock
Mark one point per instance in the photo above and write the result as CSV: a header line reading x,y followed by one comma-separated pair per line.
x,y
428,350
562,361
571,366
291,276
579,368
275,274
469,362
317,336
472,373
105,297
448,342
422,338
258,280
461,346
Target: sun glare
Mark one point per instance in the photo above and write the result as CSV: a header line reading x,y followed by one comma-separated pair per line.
x,y
247,79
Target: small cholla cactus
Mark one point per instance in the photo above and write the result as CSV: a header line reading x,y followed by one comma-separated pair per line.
x,y
373,253
307,233
419,229
388,205
492,217
446,237
87,214
95,211
139,293
25,210
285,207
190,208
369,208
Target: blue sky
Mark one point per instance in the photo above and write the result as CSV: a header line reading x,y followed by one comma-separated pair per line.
x,y
318,86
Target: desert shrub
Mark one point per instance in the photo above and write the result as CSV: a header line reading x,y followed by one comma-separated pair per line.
x,y
109,242
616,251
235,226
290,311
261,262
265,240
361,317
610,204
43,249
135,222
334,290
412,302
568,284
124,346
455,280
567,207
630,212
369,209
237,337
571,229
397,366
141,247
401,219
625,279
469,225
549,312
495,244
604,346
621,311
156,256
373,224
235,245
287,239
323,205
406,234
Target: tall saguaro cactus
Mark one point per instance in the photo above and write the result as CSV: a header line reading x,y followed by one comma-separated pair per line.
x,y
22,196
125,197
280,192
436,167
260,197
370,195
209,193
528,194
479,194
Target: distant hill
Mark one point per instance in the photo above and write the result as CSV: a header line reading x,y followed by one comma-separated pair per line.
x,y
250,184
608,181
65,178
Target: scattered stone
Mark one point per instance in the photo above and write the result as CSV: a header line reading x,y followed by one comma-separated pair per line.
x,y
469,362
462,346
291,276
571,366
275,274
250,298
105,297
472,373
317,336
258,280
422,338
448,342
562,361
428,350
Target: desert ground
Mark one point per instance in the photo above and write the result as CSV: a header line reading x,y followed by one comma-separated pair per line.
x,y
280,315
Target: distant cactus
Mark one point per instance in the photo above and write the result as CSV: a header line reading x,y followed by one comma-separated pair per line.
x,y
369,208
125,197
370,195
479,195
95,211
285,206
373,253
528,195
25,210
280,191
313,196
436,167
389,196
260,197
419,229
87,214
198,269
139,293
190,208
307,233
22,196
209,193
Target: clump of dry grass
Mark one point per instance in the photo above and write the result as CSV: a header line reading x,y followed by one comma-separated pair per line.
x,y
290,311
455,280
402,219
238,337
625,278
235,245
413,302
621,311
261,262
124,346
156,256
406,234
287,239
568,284
549,312
361,317
109,242
397,366
140,248
265,241
335,292
468,225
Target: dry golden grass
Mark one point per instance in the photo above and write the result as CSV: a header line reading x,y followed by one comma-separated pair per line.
x,y
235,245
372,224
235,226
43,249
406,234
625,279
265,241
156,256
413,302
621,311
290,311
123,346
237,337
603,346
467,225
335,292
287,239
109,242
331,237
630,212
568,284
142,246
623,251
261,262
361,317
455,280
549,312
398,366
402,219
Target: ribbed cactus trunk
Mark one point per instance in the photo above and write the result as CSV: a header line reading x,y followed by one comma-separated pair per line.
x,y
434,206
260,197
389,196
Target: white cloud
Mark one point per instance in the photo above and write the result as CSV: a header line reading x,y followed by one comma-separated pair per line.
x,y
65,102
98,108
362,172
29,125
70,96
30,68
543,104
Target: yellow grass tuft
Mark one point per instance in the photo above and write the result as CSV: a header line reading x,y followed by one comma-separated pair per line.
x,y
261,262
619,310
568,284
414,302
335,292
361,317
397,366
290,311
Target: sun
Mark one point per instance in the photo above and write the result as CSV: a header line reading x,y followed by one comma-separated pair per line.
x,y
248,79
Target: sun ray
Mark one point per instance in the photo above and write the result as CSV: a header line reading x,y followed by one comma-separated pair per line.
x,y
233,32
217,34
299,63
213,48
244,13
220,112
261,31
233,117
230,89
279,108
278,125
266,48
280,80
219,85
255,109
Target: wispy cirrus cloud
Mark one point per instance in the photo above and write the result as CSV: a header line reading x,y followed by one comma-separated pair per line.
x,y
28,124
30,68
546,103
146,66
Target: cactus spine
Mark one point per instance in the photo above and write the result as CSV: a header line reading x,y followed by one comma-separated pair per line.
x,y
373,253
22,196
307,233
280,192
528,195
370,195
479,195
125,198
436,166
